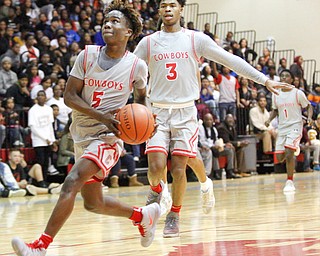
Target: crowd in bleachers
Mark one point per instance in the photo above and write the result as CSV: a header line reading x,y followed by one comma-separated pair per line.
x,y
40,40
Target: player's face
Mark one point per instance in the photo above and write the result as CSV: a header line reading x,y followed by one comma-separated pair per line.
x,y
170,12
286,77
115,28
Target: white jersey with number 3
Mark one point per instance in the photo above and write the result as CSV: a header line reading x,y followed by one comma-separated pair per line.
x,y
289,105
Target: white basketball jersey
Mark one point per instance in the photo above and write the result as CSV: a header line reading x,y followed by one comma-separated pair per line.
x,y
173,66
104,90
289,105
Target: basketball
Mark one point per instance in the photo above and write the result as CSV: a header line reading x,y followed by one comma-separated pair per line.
x,y
137,123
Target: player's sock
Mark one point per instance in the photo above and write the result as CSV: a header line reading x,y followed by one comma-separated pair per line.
x,y
46,240
290,178
204,186
136,215
157,189
176,209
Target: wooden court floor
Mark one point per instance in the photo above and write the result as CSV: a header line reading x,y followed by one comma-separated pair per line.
x,y
252,216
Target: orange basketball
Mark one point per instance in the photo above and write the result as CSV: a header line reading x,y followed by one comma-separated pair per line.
x,y
137,123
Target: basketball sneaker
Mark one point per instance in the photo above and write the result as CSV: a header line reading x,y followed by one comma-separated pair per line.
x,y
171,228
154,197
166,200
289,187
207,198
147,226
23,249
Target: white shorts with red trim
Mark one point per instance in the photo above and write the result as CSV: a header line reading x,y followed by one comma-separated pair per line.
x,y
177,131
289,140
102,154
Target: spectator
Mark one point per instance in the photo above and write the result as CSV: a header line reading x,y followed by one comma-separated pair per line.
x,y
14,54
296,68
227,132
12,122
21,173
206,96
258,116
66,150
308,146
57,127
40,118
207,31
64,110
246,52
34,76
8,185
7,76
31,10
51,30
5,8
227,41
20,93
229,93
28,51
282,65
42,24
45,85
272,74
62,53
45,64
211,148
72,36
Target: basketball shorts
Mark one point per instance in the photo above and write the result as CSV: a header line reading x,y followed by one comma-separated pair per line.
x,y
101,153
177,132
290,140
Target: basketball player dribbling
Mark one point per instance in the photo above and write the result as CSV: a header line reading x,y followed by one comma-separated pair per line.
x,y
172,55
288,107
98,85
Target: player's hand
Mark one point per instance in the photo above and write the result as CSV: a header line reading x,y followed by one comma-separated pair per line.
x,y
109,119
272,86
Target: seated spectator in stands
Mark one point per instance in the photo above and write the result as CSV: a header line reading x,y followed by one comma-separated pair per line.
x,y
28,51
228,86
85,28
20,93
210,150
15,132
66,150
64,110
2,126
14,54
227,132
296,68
62,53
206,72
40,119
144,11
309,143
299,85
97,21
44,85
75,50
51,30
42,23
34,76
45,64
206,96
314,95
57,127
262,62
72,36
266,54
86,39
236,48
282,65
207,31
8,185
272,74
7,76
128,161
21,173
227,41
246,52
258,116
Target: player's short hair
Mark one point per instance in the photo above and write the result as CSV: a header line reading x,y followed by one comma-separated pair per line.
x,y
288,71
132,17
181,2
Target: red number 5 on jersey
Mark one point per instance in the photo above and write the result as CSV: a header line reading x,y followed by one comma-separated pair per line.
x,y
96,99
172,73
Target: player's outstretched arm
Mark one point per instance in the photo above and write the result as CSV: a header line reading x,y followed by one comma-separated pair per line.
x,y
272,86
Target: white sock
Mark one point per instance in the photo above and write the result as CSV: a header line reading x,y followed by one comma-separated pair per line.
x,y
205,185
